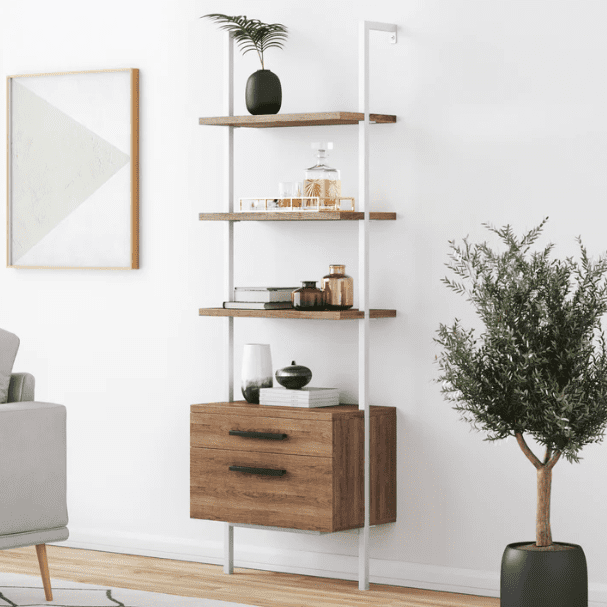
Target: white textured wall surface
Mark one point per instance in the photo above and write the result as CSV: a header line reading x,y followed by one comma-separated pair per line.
x,y
501,119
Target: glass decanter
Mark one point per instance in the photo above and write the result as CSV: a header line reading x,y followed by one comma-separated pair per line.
x,y
321,180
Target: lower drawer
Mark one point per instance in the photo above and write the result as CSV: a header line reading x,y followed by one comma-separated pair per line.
x,y
299,496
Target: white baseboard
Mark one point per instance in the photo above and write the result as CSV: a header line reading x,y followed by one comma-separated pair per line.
x,y
395,573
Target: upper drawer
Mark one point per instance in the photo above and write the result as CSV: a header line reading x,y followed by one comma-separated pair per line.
x,y
303,437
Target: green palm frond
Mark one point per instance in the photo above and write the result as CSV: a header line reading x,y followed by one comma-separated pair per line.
x,y
251,34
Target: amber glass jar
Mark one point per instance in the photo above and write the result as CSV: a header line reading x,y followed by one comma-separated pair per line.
x,y
307,297
338,289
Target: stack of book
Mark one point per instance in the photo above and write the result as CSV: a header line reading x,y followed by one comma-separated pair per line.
x,y
304,397
261,298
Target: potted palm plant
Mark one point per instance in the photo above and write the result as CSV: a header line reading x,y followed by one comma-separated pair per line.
x,y
539,368
263,93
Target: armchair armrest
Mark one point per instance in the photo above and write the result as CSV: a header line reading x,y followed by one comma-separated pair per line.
x,y
33,486
21,387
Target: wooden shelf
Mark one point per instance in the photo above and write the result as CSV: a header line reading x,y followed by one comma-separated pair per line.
x,y
284,120
295,216
351,314
242,408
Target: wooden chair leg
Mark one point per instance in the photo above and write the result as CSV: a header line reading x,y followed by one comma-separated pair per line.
x,y
46,578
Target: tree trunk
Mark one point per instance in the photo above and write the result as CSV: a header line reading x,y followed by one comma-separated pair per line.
x,y
543,533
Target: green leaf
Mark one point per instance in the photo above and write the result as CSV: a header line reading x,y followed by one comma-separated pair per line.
x,y
540,364
251,34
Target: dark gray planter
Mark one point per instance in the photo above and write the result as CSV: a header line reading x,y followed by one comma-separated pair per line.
x,y
544,578
263,94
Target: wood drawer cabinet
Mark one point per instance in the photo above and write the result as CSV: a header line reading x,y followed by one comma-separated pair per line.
x,y
290,467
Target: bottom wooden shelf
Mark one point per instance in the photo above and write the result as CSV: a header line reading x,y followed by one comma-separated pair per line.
x,y
351,314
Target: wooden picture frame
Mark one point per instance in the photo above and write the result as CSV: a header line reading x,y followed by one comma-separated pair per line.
x,y
73,170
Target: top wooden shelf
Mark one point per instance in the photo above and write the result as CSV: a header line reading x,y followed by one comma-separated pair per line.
x,y
295,216
283,120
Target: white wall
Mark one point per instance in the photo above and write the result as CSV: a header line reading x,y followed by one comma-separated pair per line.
x,y
501,118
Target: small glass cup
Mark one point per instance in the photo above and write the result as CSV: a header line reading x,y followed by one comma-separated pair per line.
x,y
297,192
285,189
289,191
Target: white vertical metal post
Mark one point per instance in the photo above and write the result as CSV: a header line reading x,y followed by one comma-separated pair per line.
x,y
363,287
228,106
363,277
228,548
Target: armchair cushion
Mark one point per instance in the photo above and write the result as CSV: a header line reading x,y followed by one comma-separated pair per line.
x,y
32,473
21,387
9,344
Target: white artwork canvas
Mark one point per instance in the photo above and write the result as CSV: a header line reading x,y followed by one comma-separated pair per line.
x,y
73,170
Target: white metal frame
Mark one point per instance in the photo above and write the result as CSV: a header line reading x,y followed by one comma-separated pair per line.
x,y
363,275
228,100
363,272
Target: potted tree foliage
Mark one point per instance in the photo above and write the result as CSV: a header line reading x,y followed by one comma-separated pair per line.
x,y
539,368
263,93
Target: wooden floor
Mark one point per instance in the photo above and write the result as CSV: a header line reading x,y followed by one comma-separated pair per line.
x,y
249,586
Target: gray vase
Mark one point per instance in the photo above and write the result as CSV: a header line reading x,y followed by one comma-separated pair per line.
x,y
263,93
256,371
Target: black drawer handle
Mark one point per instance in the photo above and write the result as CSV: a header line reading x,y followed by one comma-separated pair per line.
x,y
264,471
248,434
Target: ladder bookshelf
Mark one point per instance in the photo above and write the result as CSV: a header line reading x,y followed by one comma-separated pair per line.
x,y
363,119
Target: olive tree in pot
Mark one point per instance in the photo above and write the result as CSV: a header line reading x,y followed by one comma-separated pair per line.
x,y
539,367
263,94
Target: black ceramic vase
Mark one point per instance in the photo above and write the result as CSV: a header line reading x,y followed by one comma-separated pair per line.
x,y
263,94
544,578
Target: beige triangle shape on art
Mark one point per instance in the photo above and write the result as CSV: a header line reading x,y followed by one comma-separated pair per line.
x,y
56,164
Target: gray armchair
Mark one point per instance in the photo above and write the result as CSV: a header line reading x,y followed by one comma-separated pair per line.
x,y
33,506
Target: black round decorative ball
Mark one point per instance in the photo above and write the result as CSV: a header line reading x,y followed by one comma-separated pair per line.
x,y
294,376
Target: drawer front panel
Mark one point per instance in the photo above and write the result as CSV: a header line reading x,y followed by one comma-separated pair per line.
x,y
303,437
284,490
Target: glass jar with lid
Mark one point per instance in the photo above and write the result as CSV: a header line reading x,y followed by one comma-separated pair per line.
x,y
321,180
308,297
338,289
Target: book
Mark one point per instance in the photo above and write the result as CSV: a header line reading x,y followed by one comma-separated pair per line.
x,y
286,403
265,294
303,397
334,401
306,392
301,405
257,305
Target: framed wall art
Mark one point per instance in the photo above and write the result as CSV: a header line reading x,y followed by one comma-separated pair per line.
x,y
73,163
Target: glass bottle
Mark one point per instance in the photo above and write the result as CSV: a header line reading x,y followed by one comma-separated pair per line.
x,y
321,180
307,297
338,289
